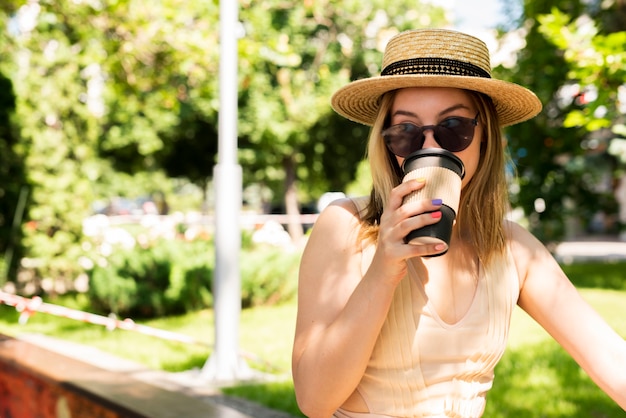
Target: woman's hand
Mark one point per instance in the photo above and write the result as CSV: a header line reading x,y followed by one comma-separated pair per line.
x,y
396,222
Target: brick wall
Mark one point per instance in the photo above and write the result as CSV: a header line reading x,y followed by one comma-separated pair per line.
x,y
38,383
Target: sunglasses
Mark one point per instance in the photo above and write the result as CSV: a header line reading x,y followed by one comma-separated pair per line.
x,y
453,134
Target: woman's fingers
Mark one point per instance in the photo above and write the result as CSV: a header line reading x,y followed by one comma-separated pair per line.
x,y
413,214
399,219
396,198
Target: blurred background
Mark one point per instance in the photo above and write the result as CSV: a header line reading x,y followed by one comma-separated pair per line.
x,y
109,138
108,132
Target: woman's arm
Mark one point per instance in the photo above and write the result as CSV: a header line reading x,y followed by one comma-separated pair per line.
x,y
340,310
550,298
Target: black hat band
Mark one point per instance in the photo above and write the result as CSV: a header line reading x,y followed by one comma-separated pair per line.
x,y
434,66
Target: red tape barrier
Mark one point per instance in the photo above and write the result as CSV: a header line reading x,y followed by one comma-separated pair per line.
x,y
28,307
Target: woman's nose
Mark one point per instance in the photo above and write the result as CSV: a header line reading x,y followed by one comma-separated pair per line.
x,y
429,139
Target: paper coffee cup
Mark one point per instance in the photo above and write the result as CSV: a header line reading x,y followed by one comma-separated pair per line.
x,y
444,174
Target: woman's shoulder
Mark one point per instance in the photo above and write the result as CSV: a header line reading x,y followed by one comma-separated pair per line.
x,y
334,238
360,202
340,222
527,251
520,239
339,214
353,205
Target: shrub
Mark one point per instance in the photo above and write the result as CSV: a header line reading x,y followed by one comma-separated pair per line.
x,y
175,276
169,277
191,278
268,275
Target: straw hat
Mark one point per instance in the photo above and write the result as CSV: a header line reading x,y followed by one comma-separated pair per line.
x,y
435,58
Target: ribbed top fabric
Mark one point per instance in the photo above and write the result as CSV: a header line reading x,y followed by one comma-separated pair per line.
x,y
423,367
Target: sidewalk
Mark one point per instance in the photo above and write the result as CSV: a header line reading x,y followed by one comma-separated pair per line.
x,y
188,384
592,249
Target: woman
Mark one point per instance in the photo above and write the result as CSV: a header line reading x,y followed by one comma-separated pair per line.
x,y
384,328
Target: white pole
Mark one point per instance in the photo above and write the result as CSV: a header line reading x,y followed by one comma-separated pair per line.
x,y
225,363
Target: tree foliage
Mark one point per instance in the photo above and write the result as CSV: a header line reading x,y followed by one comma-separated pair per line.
x,y
101,87
558,179
57,130
597,64
294,55
13,187
110,98
106,91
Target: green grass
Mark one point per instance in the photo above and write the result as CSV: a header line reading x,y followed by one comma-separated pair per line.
x,y
535,378
610,275
259,343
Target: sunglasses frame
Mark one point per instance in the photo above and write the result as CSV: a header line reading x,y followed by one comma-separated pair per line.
x,y
420,134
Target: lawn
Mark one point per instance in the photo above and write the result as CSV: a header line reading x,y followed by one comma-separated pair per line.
x,y
535,378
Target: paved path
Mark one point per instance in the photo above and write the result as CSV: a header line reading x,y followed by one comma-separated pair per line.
x,y
187,383
590,250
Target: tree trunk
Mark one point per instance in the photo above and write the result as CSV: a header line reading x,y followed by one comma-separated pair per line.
x,y
620,196
294,226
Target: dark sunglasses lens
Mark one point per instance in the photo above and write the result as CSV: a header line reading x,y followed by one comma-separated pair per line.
x,y
455,134
403,139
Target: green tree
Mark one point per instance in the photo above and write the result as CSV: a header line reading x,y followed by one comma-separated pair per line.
x,y
162,71
161,67
13,186
108,90
100,88
57,129
597,64
294,55
594,51
556,178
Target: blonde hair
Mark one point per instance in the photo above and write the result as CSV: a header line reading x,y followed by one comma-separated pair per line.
x,y
484,200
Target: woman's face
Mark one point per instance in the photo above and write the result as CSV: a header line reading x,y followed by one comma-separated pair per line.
x,y
431,105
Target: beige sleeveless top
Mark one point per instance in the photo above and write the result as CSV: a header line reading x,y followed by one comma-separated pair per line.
x,y
422,366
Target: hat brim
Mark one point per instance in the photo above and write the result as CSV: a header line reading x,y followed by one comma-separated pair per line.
x,y
359,101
